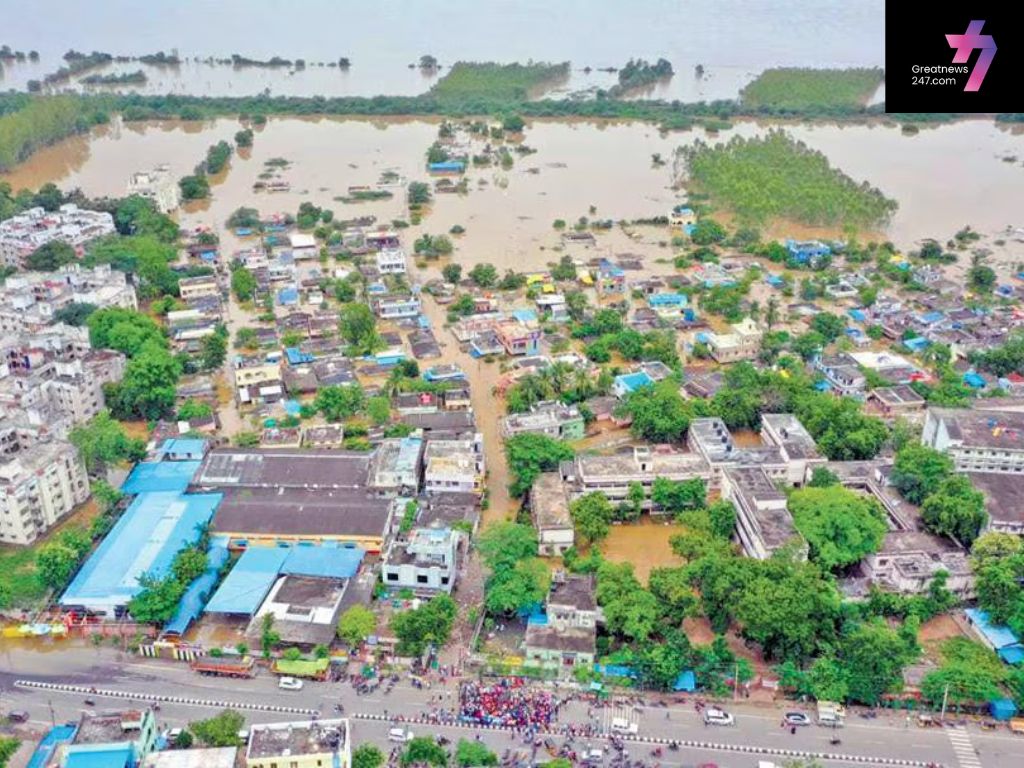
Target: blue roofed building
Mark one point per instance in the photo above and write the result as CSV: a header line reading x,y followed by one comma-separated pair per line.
x,y
807,251
668,304
182,449
109,740
47,747
1000,639
447,166
627,383
195,597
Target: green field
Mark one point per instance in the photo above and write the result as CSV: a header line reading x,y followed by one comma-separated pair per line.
x,y
18,574
777,177
513,82
806,90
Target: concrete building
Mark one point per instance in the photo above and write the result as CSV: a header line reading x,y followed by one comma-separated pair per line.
x,y
157,185
842,373
31,300
798,448
549,508
572,601
763,523
553,419
303,246
306,609
109,739
391,261
210,757
23,234
612,475
305,744
743,343
900,400
200,287
40,482
258,379
908,560
977,441
568,638
1003,492
454,466
396,307
397,466
426,563
712,441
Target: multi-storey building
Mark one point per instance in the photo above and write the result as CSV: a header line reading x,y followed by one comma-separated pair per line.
x,y
31,300
763,523
798,448
23,234
549,508
426,563
743,343
157,185
454,466
553,419
308,744
613,475
977,441
40,482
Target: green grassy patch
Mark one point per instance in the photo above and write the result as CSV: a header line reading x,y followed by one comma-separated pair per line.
x,y
18,574
487,80
774,176
803,90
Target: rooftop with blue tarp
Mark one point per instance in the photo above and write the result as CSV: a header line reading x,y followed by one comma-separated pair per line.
x,y
297,357
183,449
857,314
159,476
448,166
246,586
916,344
118,756
525,315
143,541
288,296
631,382
615,670
998,638
61,734
194,599
667,300
974,380
687,681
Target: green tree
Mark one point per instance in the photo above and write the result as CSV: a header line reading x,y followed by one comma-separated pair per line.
x,y
630,610
809,344
472,754
367,756
432,623
828,680
51,256
956,510
874,655
823,477
918,470
419,193
356,624
659,413
678,496
981,277
707,232
194,187
484,275
243,138
529,455
213,351
513,124
102,441
503,544
8,747
124,330
194,409
970,674
676,598
76,314
147,389
722,517
56,562
184,740
358,327
157,602
220,730
452,273
243,284
339,401
189,564
379,410
592,516
829,325
423,750
841,526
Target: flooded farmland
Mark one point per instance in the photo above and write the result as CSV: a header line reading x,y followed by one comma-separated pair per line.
x,y
599,170
649,536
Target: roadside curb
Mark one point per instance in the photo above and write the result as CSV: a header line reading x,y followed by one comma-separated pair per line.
x,y
160,698
709,745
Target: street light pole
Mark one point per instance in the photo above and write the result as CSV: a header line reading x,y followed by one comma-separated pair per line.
x,y
945,698
53,718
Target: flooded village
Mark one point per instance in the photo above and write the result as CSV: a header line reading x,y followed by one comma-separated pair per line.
x,y
512,436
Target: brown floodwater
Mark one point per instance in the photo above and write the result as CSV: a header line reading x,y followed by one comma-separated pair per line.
x,y
644,543
943,178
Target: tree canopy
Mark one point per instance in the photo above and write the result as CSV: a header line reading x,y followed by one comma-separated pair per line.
x,y
841,526
432,622
529,454
220,730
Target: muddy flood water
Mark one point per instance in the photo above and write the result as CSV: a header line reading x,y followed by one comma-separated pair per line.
x,y
943,178
733,40
651,537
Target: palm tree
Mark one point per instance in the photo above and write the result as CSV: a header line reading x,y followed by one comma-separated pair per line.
x,y
771,313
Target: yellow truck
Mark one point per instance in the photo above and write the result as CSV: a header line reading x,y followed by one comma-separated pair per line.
x,y
1017,725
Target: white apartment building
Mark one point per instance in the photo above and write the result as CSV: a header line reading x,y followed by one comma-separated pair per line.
x,y
427,562
157,185
29,300
454,466
763,522
798,448
396,307
612,475
977,441
39,484
391,261
743,343
21,235
549,508
199,287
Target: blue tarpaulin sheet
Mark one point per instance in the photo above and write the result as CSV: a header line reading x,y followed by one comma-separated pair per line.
x,y
160,476
194,599
687,681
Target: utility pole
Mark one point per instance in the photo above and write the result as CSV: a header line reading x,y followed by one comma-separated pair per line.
x,y
736,682
945,698
53,718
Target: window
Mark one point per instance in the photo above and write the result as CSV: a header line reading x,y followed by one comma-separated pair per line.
x,y
392,577
421,578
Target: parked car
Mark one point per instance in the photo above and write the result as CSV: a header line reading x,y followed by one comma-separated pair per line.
x,y
17,716
593,756
290,684
624,726
715,716
400,735
797,718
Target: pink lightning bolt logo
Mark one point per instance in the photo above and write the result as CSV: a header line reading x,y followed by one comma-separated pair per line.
x,y
971,40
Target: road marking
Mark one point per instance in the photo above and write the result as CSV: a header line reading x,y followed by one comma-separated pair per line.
x,y
962,746
160,698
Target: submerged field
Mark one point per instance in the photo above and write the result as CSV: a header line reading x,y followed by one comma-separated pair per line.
x,y
777,177
514,82
800,90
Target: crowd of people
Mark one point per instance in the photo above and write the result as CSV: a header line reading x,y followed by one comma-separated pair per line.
x,y
509,702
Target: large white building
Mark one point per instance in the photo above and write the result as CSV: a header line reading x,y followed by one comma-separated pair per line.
x,y
977,441
454,466
40,482
30,300
157,185
763,522
426,563
21,235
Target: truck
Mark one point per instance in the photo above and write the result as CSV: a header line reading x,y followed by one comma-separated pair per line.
x,y
831,714
1017,725
228,666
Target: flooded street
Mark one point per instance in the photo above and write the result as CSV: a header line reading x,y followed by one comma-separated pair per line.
x,y
508,215
649,536
732,39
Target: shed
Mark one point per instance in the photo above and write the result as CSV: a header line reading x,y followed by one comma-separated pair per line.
x,y
1002,709
687,681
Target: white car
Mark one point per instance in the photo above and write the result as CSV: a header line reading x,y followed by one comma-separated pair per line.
x,y
290,684
400,735
715,716
624,726
593,756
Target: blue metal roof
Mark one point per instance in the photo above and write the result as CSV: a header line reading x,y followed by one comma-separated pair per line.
x,y
633,381
997,637
257,569
448,165
297,357
183,447
143,541
112,757
194,599
148,476
687,681
58,735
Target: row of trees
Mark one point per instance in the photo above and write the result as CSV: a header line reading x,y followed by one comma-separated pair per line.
x,y
950,505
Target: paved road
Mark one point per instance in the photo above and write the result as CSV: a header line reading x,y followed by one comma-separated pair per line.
x,y
886,738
